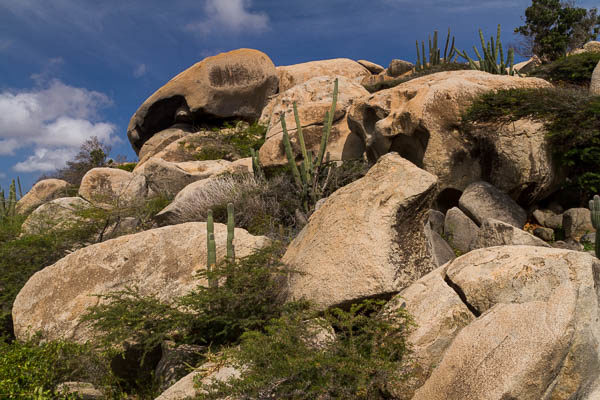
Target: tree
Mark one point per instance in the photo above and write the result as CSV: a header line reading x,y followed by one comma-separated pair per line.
x,y
553,28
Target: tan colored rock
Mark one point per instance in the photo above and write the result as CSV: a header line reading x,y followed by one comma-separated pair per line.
x,y
592,46
158,142
595,82
313,98
235,84
113,187
399,67
577,222
367,239
161,262
538,331
371,66
56,215
439,315
481,201
292,75
169,178
207,374
517,159
498,233
80,390
419,119
371,81
525,67
42,192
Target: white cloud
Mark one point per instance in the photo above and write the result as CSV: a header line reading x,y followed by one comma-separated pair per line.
x,y
140,71
2,175
230,15
54,121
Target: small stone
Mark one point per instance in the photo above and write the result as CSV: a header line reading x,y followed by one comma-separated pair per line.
x,y
546,234
577,222
435,219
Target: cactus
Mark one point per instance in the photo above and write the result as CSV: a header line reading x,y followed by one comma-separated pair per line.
x,y
492,50
20,190
595,216
307,176
434,52
3,209
12,199
256,168
230,233
211,259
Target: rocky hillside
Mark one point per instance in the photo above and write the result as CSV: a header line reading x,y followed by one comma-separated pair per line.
x,y
400,232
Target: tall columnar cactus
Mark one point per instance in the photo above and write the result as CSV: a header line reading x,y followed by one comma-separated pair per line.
x,y
492,60
595,216
211,247
435,57
256,168
230,232
20,189
307,177
12,199
3,210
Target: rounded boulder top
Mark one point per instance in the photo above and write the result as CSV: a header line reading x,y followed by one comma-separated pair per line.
x,y
232,85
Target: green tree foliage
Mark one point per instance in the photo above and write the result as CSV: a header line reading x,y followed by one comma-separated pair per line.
x,y
552,28
368,353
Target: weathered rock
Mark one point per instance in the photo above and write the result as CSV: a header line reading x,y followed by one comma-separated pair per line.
x,y
419,120
546,234
577,222
481,201
435,219
548,218
367,239
439,314
373,80
210,372
113,187
399,67
537,331
517,159
372,67
174,362
497,233
159,141
568,244
81,390
56,215
588,238
42,192
313,98
460,230
592,46
160,262
292,75
595,82
440,250
526,67
169,178
235,84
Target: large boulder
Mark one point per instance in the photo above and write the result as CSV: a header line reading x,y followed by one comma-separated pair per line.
x,y
207,374
292,75
577,222
159,142
595,83
419,119
367,239
229,85
60,214
313,98
42,192
371,66
517,159
113,187
169,178
460,230
160,262
498,233
481,201
536,331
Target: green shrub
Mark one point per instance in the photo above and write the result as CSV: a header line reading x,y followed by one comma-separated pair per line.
x,y
452,66
250,292
368,353
571,117
127,166
574,70
32,368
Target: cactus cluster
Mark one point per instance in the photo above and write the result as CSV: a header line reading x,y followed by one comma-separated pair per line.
x,y
489,61
211,259
8,205
435,57
595,216
307,177
256,168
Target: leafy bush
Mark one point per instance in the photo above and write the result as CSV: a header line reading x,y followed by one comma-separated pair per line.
x,y
368,353
575,70
33,369
452,66
571,117
250,292
126,166
552,28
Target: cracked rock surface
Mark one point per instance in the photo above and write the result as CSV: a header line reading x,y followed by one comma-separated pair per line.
x,y
508,322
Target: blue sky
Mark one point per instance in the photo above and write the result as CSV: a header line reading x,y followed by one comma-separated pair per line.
x,y
72,69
